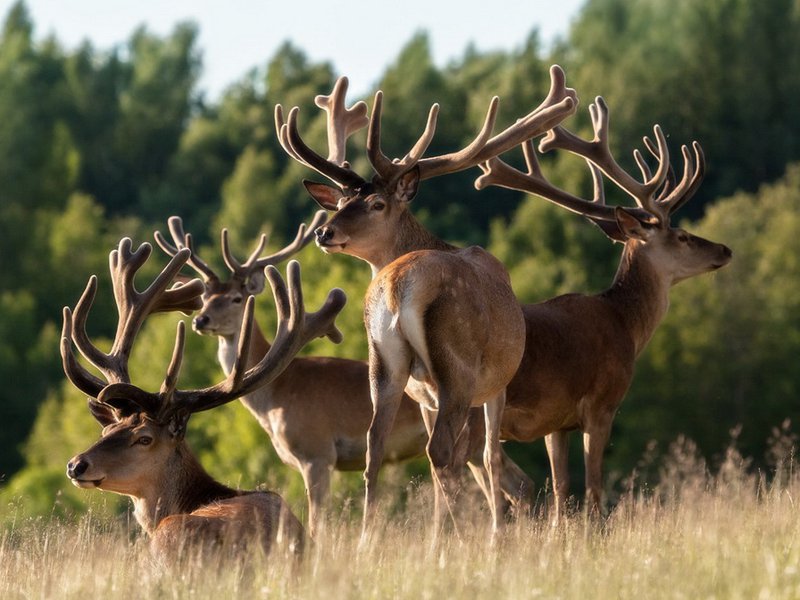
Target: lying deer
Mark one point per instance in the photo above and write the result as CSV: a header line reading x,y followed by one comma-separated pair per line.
x,y
581,350
318,410
442,322
142,452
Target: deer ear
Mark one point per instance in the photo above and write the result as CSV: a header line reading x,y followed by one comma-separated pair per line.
x,y
104,415
326,196
610,228
255,282
631,227
407,186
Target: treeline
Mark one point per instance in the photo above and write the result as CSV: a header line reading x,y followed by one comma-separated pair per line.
x,y
96,144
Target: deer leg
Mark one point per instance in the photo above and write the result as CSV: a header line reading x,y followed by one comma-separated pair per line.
x,y
492,457
516,485
557,451
317,477
387,382
441,452
595,438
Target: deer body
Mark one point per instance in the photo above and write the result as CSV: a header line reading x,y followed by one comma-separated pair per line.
x,y
581,350
174,496
318,410
442,323
142,453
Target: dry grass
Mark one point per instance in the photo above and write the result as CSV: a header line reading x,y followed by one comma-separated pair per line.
x,y
730,535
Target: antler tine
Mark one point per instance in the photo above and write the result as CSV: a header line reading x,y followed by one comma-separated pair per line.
x,y
240,270
597,150
496,172
305,235
669,183
380,162
289,135
295,330
693,174
80,377
560,103
174,368
342,121
183,240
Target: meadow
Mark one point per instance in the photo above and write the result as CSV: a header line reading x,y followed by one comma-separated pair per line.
x,y
733,533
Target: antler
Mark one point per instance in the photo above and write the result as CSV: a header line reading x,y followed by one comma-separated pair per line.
x,y
133,307
183,240
560,102
295,329
342,122
305,234
239,270
659,205
658,196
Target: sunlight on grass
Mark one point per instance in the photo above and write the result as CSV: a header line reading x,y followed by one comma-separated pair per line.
x,y
735,534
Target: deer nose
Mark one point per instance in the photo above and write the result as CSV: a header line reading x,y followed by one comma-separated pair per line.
x,y
76,468
324,234
200,322
727,251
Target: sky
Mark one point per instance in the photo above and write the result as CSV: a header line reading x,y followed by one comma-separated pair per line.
x,y
359,37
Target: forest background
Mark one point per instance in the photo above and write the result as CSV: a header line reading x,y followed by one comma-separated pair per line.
x,y
97,144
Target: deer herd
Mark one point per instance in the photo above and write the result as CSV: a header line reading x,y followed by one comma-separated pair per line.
x,y
456,364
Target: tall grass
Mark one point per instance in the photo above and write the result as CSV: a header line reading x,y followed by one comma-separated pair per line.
x,y
731,534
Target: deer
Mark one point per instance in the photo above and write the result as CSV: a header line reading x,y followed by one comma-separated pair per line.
x,y
581,350
317,411
442,322
142,452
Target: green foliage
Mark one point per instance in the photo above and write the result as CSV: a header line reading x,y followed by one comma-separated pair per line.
x,y
100,144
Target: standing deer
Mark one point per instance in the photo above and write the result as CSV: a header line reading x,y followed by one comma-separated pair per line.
x,y
581,350
318,410
142,452
442,322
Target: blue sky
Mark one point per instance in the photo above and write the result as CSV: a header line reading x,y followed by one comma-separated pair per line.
x,y
359,37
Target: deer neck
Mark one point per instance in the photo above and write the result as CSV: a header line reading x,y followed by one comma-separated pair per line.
x,y
411,236
640,293
229,344
182,486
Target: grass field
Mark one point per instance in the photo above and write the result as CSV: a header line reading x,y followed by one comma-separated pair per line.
x,y
733,534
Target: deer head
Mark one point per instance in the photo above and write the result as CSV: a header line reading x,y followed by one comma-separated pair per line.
x,y
646,228
139,424
370,213
224,297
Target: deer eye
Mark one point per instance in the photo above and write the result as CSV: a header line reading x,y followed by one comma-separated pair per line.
x,y
378,205
145,440
236,300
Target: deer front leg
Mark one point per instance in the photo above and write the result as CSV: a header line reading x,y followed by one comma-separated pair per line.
x,y
492,457
595,439
387,382
317,478
557,451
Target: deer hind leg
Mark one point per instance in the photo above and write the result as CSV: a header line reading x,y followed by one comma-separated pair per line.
x,y
493,457
557,451
517,487
317,478
389,370
443,453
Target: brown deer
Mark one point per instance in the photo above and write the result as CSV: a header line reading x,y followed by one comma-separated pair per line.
x,y
442,322
142,453
318,410
581,350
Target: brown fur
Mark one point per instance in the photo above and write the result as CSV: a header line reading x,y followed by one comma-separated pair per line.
x,y
581,350
176,502
317,411
442,323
